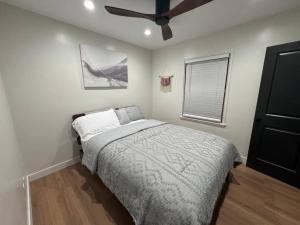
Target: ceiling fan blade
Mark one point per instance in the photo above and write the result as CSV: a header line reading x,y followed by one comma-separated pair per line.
x,y
185,6
129,13
166,32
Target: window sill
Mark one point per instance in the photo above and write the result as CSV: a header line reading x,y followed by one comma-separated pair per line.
x,y
207,122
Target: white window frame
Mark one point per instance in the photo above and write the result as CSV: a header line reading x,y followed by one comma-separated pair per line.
x,y
207,120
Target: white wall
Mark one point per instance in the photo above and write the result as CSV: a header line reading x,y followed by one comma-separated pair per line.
x,y
247,44
40,64
12,195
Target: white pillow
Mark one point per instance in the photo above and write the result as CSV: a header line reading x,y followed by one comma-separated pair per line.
x,y
95,123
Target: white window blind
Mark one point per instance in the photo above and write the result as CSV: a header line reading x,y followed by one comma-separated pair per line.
x,y
205,86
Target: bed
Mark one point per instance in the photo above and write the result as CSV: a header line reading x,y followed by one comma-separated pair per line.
x,y
163,174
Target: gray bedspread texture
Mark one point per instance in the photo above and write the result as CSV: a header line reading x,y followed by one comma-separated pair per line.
x,y
162,173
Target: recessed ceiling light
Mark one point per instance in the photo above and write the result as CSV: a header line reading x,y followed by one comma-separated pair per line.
x,y
88,4
147,32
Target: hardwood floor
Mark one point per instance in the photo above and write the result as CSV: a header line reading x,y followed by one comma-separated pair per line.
x,y
73,196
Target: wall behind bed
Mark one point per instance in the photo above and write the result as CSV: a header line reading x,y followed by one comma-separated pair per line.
x,y
247,44
40,64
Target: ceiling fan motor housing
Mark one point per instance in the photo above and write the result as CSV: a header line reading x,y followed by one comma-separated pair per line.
x,y
162,20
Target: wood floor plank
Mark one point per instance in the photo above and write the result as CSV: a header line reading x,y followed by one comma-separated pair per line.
x,y
73,196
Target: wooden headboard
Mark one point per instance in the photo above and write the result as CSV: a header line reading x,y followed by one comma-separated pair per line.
x,y
74,117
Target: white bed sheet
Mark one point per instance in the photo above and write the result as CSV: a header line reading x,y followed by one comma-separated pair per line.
x,y
84,143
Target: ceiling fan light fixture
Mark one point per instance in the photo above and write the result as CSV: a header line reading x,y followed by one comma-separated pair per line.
x,y
147,32
89,5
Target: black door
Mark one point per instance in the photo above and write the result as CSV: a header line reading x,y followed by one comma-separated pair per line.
x,y
275,141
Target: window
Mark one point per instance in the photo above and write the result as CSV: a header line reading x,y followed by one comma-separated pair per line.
x,y
205,88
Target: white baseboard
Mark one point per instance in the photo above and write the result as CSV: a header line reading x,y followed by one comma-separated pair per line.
x,y
244,159
28,201
52,169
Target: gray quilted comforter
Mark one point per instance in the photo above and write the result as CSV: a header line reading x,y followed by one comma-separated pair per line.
x,y
162,173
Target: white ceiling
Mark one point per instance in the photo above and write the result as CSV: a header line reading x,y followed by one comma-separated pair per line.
x,y
215,16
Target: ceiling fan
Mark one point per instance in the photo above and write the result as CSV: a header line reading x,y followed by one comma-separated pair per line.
x,y
163,13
